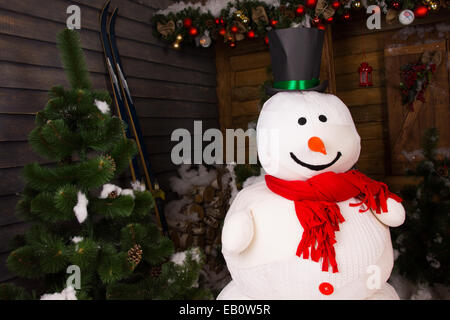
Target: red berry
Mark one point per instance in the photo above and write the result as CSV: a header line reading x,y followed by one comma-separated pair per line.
x,y
273,22
266,40
330,19
232,44
193,31
187,22
336,4
321,26
222,31
421,11
346,16
300,10
234,29
311,3
251,34
396,5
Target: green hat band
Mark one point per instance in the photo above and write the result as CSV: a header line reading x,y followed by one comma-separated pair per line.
x,y
296,84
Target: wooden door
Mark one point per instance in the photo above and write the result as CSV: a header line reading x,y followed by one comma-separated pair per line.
x,y
406,127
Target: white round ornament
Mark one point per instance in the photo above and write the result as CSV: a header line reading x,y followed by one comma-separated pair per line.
x,y
406,17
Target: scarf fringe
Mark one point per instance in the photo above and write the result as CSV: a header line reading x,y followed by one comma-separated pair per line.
x,y
320,223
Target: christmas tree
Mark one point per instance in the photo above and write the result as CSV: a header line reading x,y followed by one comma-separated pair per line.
x,y
423,240
80,220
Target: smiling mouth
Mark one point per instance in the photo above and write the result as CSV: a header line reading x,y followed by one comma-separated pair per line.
x,y
316,167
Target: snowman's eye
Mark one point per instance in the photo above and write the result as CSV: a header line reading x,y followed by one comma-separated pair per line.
x,y
322,118
302,121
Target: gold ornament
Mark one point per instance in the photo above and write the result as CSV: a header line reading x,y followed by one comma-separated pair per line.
x,y
356,4
434,5
135,255
240,15
165,28
259,15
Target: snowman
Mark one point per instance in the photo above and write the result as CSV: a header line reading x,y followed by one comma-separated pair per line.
x,y
315,228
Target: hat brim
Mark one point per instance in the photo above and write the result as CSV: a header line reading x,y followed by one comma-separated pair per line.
x,y
320,88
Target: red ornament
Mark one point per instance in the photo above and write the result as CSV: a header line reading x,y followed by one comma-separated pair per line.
x,y
330,19
251,34
336,4
222,31
346,16
396,5
421,11
316,20
321,26
326,288
273,22
311,3
365,75
300,10
187,22
219,21
234,29
266,40
193,31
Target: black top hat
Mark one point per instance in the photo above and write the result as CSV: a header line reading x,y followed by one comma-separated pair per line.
x,y
296,55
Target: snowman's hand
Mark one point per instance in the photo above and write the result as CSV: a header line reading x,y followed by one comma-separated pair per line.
x,y
237,232
395,215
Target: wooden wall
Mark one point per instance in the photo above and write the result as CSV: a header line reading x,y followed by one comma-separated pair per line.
x,y
171,89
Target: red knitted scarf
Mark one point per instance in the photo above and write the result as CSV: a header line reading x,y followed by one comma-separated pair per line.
x,y
316,207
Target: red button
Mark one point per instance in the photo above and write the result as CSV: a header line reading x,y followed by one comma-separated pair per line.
x,y
326,288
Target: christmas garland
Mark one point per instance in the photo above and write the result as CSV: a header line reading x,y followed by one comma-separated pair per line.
x,y
415,77
232,21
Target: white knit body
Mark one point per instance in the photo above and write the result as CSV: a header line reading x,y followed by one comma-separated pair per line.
x,y
270,269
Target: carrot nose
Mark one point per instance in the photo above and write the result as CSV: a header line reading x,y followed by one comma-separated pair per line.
x,y
316,145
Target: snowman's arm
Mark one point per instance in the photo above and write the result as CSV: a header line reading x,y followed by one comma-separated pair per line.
x,y
237,232
395,215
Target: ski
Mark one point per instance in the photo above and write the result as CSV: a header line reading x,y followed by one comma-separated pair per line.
x,y
118,97
135,128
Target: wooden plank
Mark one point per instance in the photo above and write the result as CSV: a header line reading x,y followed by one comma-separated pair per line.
x,y
159,108
372,149
22,101
15,127
414,49
7,233
351,63
223,86
327,69
164,127
350,81
246,108
16,24
250,61
363,96
7,214
39,78
11,181
368,113
16,154
24,51
246,93
253,77
371,167
370,130
352,45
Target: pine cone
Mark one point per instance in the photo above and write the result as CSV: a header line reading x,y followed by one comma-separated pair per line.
x,y
135,255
